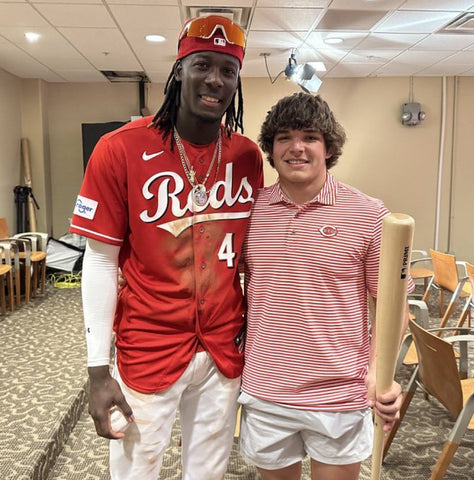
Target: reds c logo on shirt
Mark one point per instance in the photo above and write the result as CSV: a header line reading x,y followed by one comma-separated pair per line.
x,y
328,231
168,191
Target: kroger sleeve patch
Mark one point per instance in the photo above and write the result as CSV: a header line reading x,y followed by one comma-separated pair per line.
x,y
85,207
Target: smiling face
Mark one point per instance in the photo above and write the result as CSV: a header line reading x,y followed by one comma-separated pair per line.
x,y
300,157
209,81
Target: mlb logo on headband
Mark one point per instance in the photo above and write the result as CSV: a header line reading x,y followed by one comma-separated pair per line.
x,y
220,41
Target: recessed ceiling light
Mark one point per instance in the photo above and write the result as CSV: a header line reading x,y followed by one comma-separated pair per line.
x,y
32,36
333,40
154,38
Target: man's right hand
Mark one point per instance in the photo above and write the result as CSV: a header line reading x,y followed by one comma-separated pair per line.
x,y
105,393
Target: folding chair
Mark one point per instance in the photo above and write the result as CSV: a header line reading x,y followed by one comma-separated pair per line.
x,y
438,375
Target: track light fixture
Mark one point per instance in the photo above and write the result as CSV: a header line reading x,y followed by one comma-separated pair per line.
x,y
302,74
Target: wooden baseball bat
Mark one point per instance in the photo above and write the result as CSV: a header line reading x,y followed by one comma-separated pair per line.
x,y
394,268
25,154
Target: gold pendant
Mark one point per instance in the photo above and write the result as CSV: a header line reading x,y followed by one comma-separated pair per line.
x,y
192,174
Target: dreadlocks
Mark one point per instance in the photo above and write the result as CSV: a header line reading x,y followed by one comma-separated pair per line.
x,y
165,118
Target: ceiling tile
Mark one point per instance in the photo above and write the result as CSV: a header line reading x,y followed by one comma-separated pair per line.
x,y
352,70
414,22
49,35
74,15
19,63
218,3
453,5
350,39
61,56
153,18
445,42
105,48
294,4
20,15
466,57
350,19
97,2
369,56
298,19
411,62
287,40
140,2
389,41
366,5
447,69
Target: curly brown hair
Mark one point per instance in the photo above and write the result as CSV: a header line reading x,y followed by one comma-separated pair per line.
x,y
298,111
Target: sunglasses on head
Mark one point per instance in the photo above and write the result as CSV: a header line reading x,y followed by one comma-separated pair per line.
x,y
206,27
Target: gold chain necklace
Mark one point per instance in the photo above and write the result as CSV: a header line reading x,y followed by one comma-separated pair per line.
x,y
199,192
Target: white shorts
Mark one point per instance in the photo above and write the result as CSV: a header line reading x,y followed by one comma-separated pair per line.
x,y
273,436
207,403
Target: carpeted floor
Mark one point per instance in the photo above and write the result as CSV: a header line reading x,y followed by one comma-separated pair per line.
x,y
42,377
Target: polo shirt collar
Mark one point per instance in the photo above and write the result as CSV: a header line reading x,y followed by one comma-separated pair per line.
x,y
326,196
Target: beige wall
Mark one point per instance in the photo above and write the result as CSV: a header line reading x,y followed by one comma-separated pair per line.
x,y
382,157
10,134
70,105
394,162
34,116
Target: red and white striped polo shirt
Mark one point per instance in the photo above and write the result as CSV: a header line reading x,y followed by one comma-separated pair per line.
x,y
308,271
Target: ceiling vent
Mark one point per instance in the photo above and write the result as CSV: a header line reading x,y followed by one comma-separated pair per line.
x,y
239,15
464,23
115,76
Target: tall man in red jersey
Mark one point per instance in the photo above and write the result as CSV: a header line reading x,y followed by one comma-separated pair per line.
x,y
311,256
168,200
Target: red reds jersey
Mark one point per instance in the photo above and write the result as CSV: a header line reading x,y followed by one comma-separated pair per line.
x,y
180,260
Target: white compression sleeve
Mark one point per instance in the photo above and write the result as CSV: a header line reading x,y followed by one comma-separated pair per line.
x,y
99,298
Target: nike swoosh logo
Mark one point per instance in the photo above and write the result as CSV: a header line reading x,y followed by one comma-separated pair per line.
x,y
147,157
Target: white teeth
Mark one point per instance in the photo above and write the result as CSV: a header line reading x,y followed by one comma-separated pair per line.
x,y
296,162
210,99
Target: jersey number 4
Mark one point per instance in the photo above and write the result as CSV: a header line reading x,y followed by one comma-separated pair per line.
x,y
226,251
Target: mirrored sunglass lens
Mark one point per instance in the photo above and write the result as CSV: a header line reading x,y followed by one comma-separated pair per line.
x,y
204,28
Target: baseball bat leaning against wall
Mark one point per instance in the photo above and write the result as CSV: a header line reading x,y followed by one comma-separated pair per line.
x,y
395,253
26,159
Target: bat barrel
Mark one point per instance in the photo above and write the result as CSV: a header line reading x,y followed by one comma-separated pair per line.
x,y
394,269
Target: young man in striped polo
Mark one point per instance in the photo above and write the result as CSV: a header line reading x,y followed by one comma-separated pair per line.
x,y
311,255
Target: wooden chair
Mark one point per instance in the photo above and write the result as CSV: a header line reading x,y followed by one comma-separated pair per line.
x,y
438,375
6,283
446,279
38,244
10,256
468,290
421,268
407,353
32,253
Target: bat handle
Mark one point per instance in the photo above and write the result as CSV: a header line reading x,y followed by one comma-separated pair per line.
x,y
377,452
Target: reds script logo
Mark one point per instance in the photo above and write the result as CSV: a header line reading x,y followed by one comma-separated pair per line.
x,y
168,191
